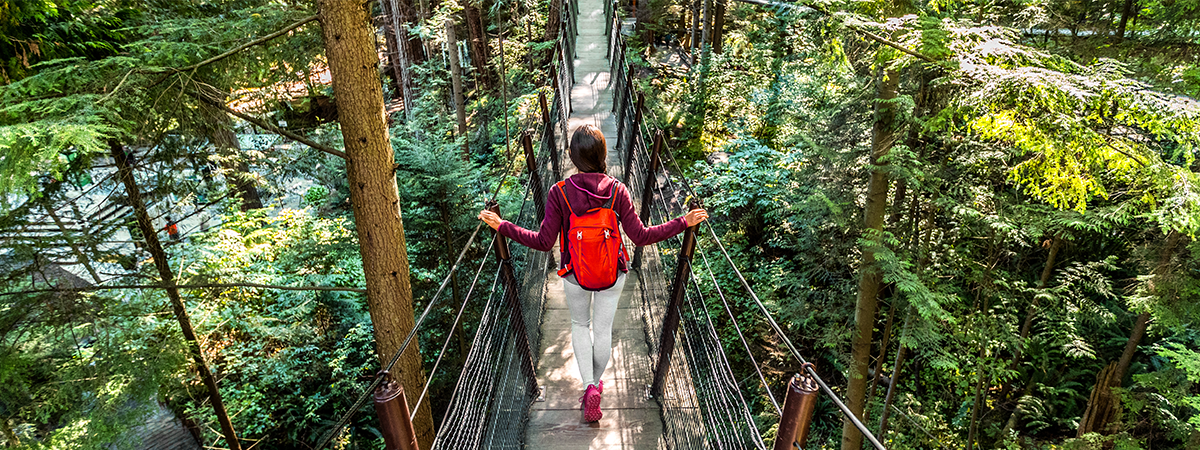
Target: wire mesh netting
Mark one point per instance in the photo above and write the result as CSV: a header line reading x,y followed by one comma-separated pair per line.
x,y
701,404
490,405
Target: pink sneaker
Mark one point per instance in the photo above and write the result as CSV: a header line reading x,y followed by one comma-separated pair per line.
x,y
591,404
600,387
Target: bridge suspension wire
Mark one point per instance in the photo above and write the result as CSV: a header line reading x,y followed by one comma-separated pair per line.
x,y
487,408
807,367
370,389
454,326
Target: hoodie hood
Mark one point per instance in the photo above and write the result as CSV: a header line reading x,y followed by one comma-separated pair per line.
x,y
589,190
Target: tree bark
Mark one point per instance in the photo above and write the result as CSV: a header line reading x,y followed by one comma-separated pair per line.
x,y
393,48
884,135
891,392
403,57
1027,325
883,348
460,109
414,48
478,45
718,25
694,41
161,262
1102,408
1125,12
373,192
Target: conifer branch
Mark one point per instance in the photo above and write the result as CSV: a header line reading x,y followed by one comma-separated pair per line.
x,y
247,45
272,128
189,286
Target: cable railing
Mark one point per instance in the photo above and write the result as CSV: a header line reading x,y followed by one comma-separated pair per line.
x,y
727,418
497,385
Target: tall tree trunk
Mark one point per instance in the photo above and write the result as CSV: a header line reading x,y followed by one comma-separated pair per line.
x,y
150,235
1125,12
883,136
478,45
646,21
718,25
237,170
373,192
460,109
415,49
694,41
1101,408
706,32
393,48
403,57
883,350
1027,325
891,392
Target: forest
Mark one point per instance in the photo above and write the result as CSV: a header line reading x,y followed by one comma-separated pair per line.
x,y
219,219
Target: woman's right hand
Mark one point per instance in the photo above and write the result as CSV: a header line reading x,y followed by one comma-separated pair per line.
x,y
695,216
491,219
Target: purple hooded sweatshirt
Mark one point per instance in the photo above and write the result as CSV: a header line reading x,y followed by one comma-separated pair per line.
x,y
599,187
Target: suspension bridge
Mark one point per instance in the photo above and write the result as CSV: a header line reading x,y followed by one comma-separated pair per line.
x,y
670,383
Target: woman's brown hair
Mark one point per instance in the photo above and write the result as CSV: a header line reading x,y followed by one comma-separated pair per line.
x,y
589,152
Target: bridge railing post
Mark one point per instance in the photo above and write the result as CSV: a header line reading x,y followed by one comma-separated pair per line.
x,y
620,105
535,176
514,303
548,141
394,416
797,413
634,133
666,342
648,191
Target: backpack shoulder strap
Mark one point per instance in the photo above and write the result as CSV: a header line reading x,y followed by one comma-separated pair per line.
x,y
562,185
612,195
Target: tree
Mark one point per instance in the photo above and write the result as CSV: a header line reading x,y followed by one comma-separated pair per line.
x,y
353,63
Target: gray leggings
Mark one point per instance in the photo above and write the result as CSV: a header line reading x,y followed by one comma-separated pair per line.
x,y
594,310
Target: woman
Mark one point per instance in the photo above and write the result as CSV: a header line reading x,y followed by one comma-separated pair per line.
x,y
579,194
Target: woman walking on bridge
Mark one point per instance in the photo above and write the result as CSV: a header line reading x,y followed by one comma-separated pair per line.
x,y
585,210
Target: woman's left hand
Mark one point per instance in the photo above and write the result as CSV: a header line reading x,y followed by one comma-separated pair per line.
x,y
695,216
492,219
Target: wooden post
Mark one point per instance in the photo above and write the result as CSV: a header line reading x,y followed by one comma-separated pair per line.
x,y
549,143
514,303
456,84
633,134
391,406
648,191
535,177
797,413
683,271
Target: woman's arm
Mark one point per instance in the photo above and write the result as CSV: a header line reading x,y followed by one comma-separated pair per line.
x,y
639,233
542,240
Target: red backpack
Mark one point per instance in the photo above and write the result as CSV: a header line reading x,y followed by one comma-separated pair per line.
x,y
594,242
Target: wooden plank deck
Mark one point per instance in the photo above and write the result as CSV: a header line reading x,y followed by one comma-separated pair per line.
x,y
631,420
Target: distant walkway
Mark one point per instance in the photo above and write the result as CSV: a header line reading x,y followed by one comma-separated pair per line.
x,y
631,421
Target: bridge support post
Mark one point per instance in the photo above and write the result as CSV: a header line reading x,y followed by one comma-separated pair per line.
x,y
514,304
797,413
634,133
535,176
394,416
548,141
648,192
666,342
